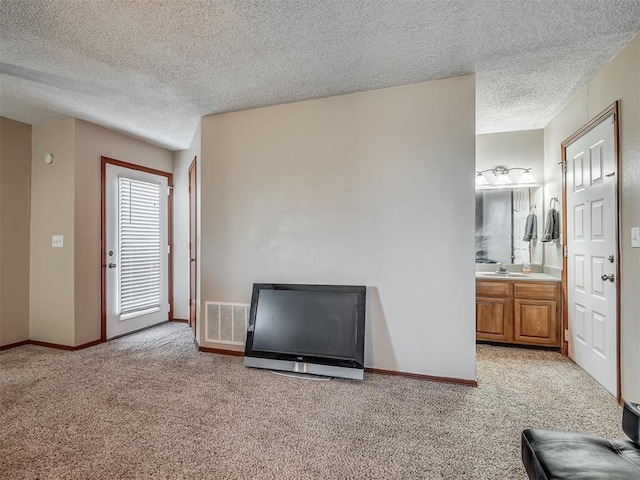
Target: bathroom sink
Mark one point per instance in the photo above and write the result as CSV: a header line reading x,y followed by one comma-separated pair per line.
x,y
510,274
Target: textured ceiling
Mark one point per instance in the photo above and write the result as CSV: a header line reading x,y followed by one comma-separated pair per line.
x,y
153,68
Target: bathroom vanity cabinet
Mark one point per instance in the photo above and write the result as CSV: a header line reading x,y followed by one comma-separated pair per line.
x,y
519,312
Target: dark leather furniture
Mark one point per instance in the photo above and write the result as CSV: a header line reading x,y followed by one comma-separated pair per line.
x,y
555,455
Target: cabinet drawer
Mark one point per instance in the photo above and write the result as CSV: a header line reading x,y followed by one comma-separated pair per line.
x,y
493,289
539,291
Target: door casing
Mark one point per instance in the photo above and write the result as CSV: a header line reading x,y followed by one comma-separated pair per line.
x,y
193,244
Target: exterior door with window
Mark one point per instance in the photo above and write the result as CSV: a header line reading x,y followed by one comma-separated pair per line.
x,y
136,250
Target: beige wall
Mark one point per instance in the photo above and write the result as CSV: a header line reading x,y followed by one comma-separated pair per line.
x,y
372,188
65,282
181,162
619,80
15,215
52,202
92,142
524,149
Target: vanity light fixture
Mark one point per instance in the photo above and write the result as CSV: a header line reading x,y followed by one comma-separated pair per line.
x,y
501,175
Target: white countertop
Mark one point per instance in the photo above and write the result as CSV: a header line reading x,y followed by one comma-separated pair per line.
x,y
517,277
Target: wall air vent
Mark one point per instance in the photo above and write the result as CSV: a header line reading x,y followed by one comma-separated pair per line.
x,y
226,322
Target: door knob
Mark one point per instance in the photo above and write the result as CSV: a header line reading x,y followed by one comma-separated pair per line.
x,y
112,265
611,277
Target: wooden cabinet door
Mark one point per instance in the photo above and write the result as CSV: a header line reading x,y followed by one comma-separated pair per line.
x,y
536,322
494,319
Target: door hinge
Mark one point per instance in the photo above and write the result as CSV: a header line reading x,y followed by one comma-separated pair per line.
x,y
566,335
169,188
566,251
168,249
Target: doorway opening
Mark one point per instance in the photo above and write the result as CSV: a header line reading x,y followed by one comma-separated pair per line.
x,y
510,310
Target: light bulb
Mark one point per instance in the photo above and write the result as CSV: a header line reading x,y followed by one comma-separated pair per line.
x,y
481,179
503,179
527,177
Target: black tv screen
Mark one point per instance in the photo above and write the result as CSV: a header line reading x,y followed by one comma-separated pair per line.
x,y
306,324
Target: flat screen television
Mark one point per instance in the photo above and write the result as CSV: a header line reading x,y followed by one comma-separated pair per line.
x,y
315,329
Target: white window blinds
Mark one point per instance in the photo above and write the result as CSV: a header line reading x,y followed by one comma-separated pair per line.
x,y
139,247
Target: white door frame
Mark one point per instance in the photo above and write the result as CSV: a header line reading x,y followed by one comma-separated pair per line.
x,y
103,241
606,113
193,245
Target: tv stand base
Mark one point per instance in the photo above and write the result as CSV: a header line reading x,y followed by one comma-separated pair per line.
x,y
303,367
305,376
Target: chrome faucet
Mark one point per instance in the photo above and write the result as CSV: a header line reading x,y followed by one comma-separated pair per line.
x,y
501,268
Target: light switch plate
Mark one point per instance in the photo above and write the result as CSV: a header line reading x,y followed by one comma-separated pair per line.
x,y
635,237
57,241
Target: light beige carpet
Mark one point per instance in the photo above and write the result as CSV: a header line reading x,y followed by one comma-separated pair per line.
x,y
150,406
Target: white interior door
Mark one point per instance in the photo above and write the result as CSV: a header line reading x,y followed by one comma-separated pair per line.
x,y
136,250
520,213
592,249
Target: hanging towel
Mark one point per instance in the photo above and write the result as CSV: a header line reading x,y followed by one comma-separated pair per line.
x,y
552,226
531,228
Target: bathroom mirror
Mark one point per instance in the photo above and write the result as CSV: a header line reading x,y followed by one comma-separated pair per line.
x,y
501,216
